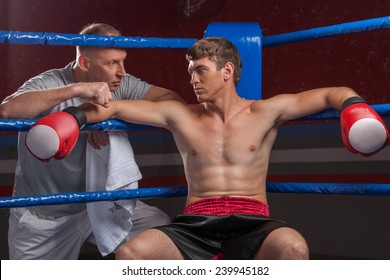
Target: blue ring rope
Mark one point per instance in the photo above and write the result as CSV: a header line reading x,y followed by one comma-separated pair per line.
x,y
331,114
83,197
327,31
43,38
16,125
58,39
179,191
330,188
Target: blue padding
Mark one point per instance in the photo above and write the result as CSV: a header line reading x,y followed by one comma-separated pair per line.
x,y
247,37
327,31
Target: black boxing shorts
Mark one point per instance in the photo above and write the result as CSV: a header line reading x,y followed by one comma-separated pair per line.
x,y
237,233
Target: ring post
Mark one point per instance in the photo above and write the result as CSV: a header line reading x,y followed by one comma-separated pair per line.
x,y
247,37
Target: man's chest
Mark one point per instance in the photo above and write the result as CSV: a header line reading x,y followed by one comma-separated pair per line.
x,y
231,143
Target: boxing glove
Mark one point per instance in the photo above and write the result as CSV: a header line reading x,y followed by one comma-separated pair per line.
x,y
55,135
363,130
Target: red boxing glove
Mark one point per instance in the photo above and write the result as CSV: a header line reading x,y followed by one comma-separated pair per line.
x,y
55,135
362,129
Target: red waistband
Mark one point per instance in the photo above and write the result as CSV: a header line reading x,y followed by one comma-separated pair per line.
x,y
227,205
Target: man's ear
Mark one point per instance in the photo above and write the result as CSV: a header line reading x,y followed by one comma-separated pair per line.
x,y
229,71
83,62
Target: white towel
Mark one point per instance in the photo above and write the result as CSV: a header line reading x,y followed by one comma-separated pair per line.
x,y
113,167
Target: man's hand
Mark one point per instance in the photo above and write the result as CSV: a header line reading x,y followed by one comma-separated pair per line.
x,y
98,92
97,139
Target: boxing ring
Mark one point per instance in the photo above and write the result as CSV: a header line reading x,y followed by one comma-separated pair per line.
x,y
249,40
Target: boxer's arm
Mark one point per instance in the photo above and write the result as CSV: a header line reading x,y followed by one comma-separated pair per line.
x,y
159,114
363,130
161,94
56,134
293,106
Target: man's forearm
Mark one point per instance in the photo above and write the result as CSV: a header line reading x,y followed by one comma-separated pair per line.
x,y
33,103
339,95
97,113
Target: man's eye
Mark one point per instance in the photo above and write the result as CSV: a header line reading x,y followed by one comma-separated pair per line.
x,y
110,64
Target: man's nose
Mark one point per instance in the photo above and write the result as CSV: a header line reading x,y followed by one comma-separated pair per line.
x,y
121,71
194,79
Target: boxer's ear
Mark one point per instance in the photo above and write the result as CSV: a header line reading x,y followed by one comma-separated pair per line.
x,y
228,70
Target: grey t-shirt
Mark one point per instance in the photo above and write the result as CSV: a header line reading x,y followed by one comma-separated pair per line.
x,y
34,177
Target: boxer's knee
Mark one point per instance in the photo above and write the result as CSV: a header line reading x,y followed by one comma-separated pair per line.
x,y
131,250
285,244
295,249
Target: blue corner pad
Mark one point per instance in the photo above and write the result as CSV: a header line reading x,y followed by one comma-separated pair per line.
x,y
247,37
